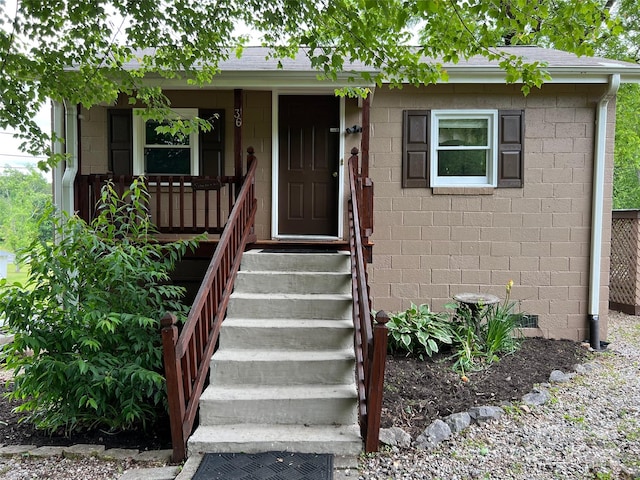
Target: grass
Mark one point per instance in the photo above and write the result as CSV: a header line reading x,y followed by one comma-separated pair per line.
x,y
20,277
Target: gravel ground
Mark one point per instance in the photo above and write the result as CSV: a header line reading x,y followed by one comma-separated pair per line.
x,y
28,468
590,429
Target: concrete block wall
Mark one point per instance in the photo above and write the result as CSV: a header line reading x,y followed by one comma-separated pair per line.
x,y
93,141
433,243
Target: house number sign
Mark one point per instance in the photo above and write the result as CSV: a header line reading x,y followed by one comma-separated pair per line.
x,y
237,116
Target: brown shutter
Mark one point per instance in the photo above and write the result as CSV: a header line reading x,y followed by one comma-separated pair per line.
x,y
415,149
511,148
120,144
212,144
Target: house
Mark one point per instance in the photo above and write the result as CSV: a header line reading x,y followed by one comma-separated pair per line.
x,y
476,184
532,207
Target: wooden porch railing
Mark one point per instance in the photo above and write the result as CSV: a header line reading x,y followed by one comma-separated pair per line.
x,y
370,339
187,355
178,204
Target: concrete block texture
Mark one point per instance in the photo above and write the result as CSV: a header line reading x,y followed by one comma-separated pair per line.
x,y
538,235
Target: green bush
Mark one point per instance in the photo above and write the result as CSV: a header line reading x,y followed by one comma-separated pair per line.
x,y
87,349
418,331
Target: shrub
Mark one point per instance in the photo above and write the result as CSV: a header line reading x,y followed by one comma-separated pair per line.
x,y
418,331
87,349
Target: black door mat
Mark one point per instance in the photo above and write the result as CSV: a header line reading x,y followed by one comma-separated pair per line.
x,y
265,466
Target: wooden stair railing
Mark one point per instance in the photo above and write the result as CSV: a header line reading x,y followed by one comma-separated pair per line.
x,y
187,354
177,203
370,340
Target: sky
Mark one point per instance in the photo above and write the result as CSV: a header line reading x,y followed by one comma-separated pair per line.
x,y
10,154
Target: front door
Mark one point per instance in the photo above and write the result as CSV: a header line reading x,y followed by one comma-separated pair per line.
x,y
309,142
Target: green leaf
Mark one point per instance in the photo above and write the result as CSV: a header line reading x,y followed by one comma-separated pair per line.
x,y
92,322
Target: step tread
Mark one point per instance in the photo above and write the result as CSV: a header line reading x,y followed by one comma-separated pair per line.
x,y
252,438
273,392
293,296
256,261
287,322
304,273
239,354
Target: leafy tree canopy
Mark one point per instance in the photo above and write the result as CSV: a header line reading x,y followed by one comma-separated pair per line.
x,y
41,39
626,180
23,198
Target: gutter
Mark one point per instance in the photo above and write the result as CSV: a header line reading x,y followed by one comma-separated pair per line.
x,y
597,210
57,126
71,141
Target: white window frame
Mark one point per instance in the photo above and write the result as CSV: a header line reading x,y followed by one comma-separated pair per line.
x,y
139,167
491,177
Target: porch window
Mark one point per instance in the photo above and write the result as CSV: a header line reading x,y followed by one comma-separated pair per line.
x,y
462,148
158,153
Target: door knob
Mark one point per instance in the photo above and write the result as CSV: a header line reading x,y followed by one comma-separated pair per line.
x,y
335,174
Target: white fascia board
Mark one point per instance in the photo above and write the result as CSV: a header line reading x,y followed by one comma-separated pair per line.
x,y
261,80
303,80
558,75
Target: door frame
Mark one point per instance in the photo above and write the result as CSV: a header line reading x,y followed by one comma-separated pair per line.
x,y
275,166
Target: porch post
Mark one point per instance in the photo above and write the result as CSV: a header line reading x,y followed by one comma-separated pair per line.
x,y
237,137
366,207
364,151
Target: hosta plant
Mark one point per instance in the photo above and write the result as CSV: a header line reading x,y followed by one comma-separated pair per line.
x,y
418,331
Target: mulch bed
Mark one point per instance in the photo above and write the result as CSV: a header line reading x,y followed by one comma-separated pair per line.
x,y
14,432
416,393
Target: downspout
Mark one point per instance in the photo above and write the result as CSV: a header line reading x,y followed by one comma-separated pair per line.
x,y
597,208
71,141
57,127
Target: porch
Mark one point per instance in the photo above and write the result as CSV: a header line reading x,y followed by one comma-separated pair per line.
x,y
225,208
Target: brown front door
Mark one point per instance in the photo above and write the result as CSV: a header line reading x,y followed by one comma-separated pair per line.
x,y
309,137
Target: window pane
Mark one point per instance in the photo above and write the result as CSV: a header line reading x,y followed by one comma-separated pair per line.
x,y
152,137
462,163
461,131
168,160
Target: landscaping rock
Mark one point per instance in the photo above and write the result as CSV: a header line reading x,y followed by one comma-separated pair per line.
x,y
46,451
560,377
585,368
83,450
10,450
537,397
458,421
485,413
158,473
118,454
435,433
395,437
163,456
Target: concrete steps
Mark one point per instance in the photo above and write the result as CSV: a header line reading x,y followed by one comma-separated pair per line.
x,y
283,376
336,439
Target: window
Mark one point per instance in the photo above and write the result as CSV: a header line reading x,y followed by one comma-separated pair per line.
x,y
462,148
162,153
131,141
